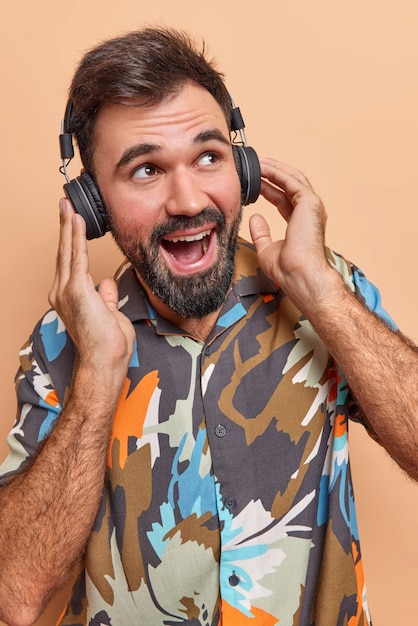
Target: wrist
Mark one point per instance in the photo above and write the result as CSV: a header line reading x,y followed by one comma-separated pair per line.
x,y
314,291
97,385
331,305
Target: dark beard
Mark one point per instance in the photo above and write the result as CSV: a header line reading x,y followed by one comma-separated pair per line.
x,y
194,295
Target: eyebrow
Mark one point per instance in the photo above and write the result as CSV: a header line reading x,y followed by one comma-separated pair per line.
x,y
135,151
149,148
209,135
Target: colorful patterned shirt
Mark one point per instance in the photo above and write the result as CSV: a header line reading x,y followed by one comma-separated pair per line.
x,y
228,497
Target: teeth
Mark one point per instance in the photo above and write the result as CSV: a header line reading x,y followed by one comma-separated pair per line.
x,y
197,237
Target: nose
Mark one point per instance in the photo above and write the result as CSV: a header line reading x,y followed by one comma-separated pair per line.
x,y
186,195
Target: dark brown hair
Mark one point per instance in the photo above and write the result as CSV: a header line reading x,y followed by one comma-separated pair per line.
x,y
145,67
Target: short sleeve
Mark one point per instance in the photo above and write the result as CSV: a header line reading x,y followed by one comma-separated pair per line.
x,y
44,374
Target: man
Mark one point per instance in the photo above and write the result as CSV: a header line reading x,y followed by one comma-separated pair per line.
x,y
181,447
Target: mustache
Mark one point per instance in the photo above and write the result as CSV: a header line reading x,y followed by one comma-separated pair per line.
x,y
209,215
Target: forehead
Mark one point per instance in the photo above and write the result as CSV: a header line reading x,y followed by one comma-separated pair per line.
x,y
179,118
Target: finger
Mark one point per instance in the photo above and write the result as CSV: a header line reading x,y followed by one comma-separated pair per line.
x,y
108,291
290,180
278,198
287,170
79,252
63,259
260,233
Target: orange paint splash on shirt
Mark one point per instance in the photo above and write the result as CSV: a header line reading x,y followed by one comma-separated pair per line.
x,y
231,616
52,398
130,414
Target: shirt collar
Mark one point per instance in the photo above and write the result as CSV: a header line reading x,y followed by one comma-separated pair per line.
x,y
248,280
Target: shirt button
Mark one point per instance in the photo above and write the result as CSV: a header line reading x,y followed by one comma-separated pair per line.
x,y
220,431
233,580
230,503
208,350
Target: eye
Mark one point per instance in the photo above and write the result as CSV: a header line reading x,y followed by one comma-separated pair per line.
x,y
209,158
145,171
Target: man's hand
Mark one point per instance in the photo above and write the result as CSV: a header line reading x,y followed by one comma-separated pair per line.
x,y
104,337
48,528
297,263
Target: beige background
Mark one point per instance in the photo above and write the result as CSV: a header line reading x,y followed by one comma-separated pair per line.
x,y
329,87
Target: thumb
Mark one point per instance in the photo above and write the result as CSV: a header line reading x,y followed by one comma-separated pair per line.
x,y
108,291
260,233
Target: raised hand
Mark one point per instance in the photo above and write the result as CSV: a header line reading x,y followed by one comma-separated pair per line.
x,y
104,336
297,262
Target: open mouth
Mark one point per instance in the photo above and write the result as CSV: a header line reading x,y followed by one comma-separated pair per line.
x,y
187,250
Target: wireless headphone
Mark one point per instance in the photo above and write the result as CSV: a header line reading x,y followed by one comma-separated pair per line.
x,y
85,195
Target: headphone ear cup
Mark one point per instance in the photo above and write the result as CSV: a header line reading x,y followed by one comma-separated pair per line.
x,y
248,168
87,201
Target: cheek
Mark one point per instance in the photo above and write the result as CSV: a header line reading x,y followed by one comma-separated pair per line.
x,y
129,215
227,194
130,227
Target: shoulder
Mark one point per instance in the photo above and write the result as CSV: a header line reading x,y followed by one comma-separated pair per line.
x,y
358,283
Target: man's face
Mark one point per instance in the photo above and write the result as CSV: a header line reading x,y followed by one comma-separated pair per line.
x,y
168,179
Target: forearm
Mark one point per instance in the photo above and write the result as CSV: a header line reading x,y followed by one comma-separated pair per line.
x,y
46,513
380,365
